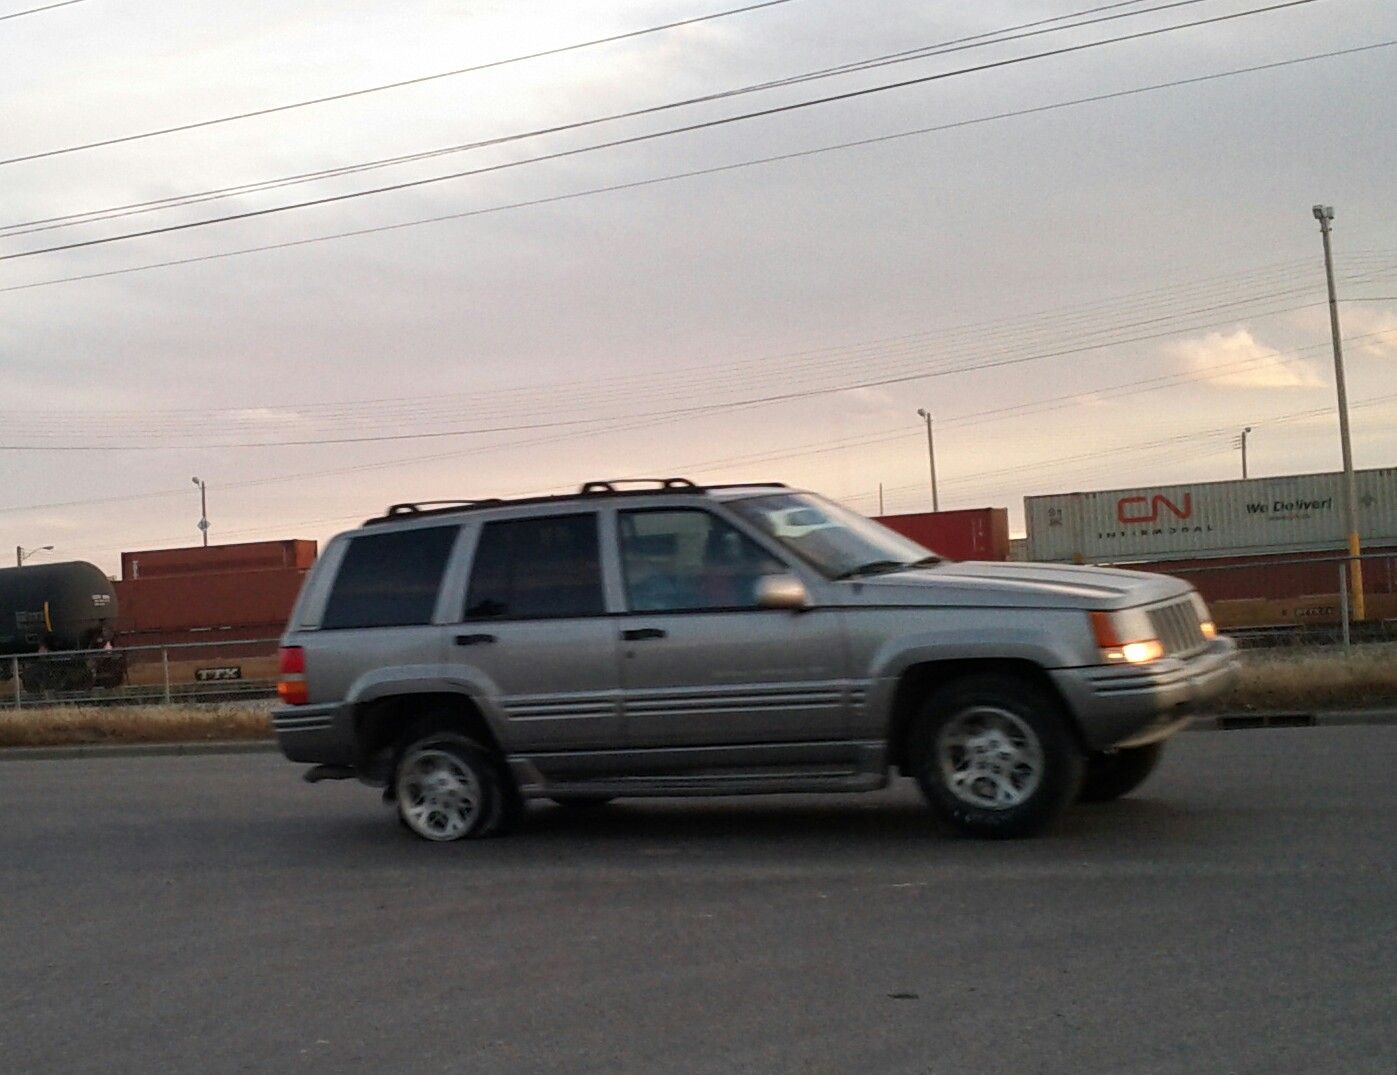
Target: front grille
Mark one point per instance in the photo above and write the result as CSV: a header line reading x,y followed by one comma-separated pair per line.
x,y
1176,625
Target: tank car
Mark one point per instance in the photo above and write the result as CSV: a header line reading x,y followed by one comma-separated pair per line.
x,y
63,618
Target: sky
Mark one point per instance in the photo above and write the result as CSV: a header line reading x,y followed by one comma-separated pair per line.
x,y
704,238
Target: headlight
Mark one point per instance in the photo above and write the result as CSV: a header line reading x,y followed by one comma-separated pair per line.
x,y
1125,637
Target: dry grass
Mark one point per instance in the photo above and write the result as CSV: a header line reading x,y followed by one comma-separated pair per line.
x,y
86,725
1272,680
1309,681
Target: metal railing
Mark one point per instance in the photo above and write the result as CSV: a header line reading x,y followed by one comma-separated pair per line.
x,y
168,674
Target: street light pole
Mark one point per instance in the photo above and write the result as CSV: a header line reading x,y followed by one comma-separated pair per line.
x,y
1324,214
931,458
203,510
24,554
1245,431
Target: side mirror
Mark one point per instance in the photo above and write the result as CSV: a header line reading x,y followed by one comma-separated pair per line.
x,y
782,591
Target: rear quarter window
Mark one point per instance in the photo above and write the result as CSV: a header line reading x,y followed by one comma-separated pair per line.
x,y
389,579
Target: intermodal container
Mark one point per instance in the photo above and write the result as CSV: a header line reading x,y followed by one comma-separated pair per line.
x,y
976,534
1291,514
208,601
200,560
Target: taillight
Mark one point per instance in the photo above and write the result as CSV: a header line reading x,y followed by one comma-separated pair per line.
x,y
291,685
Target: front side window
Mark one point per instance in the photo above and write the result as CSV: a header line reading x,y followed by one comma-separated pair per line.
x,y
545,568
390,579
687,560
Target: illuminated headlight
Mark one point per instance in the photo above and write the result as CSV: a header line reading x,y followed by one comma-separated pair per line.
x,y
1205,618
1126,637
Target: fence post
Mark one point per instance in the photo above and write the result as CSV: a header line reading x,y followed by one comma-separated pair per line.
x,y
1343,603
19,690
165,663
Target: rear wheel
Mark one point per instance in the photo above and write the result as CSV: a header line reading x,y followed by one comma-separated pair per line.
x,y
1113,773
448,787
995,757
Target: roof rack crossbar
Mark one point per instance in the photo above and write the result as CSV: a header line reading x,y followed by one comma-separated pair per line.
x,y
422,506
609,485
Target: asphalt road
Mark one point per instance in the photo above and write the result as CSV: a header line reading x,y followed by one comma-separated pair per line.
x,y
203,915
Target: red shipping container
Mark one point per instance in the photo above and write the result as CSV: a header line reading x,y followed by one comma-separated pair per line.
x,y
228,599
198,560
975,534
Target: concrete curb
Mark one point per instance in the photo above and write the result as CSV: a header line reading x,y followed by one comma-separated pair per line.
x,y
136,750
1211,722
1224,722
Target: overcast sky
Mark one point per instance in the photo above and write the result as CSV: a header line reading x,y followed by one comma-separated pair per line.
x,y
1085,294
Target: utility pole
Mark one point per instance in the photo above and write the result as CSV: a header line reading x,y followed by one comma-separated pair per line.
x,y
1324,214
1245,431
931,458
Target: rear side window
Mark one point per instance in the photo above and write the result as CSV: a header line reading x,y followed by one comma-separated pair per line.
x,y
531,569
389,580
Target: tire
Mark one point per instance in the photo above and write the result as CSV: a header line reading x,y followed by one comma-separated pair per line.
x,y
448,787
995,757
1113,773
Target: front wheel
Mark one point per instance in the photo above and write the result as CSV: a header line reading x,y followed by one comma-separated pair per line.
x,y
995,757
1113,773
448,788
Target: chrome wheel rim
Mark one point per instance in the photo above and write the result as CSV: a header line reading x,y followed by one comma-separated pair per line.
x,y
438,794
990,758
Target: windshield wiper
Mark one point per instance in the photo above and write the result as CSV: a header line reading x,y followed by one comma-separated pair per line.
x,y
873,567
883,567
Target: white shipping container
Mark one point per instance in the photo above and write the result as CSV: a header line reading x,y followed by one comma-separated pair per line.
x,y
1296,513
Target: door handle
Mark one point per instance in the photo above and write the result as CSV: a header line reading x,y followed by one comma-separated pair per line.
x,y
474,640
640,634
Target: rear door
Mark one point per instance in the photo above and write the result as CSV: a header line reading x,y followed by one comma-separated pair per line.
x,y
533,635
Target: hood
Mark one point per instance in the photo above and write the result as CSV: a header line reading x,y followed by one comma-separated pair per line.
x,y
1018,585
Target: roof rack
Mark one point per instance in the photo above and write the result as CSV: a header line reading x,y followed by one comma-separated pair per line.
x,y
662,485
424,506
650,486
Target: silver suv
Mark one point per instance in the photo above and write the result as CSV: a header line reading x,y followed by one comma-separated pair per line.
x,y
662,638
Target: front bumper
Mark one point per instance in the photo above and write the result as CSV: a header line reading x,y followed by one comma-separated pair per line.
x,y
1133,705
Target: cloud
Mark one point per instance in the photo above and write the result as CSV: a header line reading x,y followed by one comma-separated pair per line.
x,y
1238,360
1370,331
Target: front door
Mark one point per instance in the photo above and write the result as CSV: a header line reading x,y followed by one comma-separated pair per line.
x,y
701,664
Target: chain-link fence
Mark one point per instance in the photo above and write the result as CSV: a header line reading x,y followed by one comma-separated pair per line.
x,y
188,672
1298,601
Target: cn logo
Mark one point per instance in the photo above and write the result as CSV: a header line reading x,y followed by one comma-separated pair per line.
x,y
1150,509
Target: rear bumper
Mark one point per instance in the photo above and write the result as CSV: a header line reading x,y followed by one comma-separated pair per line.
x,y
313,733
1132,706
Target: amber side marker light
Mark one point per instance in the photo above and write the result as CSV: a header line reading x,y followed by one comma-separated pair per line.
x,y
1118,650
291,682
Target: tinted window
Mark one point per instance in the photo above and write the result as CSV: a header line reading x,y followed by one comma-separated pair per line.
x,y
686,560
536,569
389,580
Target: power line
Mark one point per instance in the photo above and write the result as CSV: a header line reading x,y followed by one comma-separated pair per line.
x,y
718,169
391,85
685,129
36,10
995,37
993,339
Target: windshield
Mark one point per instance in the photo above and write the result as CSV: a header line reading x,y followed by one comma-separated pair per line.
x,y
837,542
